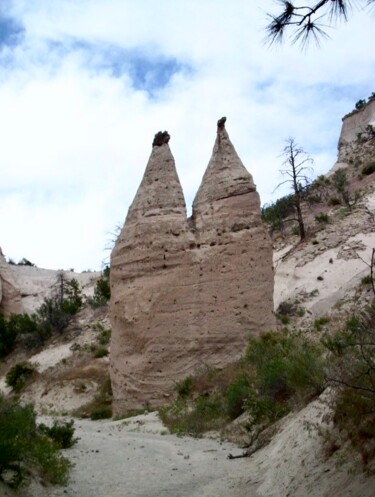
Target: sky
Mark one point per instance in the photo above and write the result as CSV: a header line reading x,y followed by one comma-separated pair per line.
x,y
85,85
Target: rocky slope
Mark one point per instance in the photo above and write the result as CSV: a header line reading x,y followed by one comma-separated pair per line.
x,y
320,276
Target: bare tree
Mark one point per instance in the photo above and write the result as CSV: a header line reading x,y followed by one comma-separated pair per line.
x,y
295,168
309,21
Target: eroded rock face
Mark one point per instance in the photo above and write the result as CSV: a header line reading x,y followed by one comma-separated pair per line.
x,y
356,122
10,295
187,293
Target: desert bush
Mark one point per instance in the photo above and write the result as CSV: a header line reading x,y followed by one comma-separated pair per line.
x,y
277,212
333,201
279,370
7,337
102,291
351,370
320,322
24,448
25,262
18,375
286,365
104,334
366,280
100,352
61,432
368,169
184,387
322,218
238,394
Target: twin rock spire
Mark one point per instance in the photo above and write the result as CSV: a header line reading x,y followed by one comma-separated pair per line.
x,y
187,293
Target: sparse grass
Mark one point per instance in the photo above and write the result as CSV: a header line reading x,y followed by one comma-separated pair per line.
x,y
320,322
101,406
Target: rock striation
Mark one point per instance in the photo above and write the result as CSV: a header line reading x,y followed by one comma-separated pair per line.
x,y
187,293
10,295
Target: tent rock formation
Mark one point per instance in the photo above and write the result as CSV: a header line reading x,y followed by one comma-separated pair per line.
x,y
187,293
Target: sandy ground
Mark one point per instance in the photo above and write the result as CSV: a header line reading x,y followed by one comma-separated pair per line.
x,y
137,458
133,458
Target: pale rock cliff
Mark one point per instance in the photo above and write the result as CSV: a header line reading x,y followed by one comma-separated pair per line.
x,y
10,295
356,122
186,293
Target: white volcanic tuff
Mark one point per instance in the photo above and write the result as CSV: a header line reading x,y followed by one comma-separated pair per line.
x,y
356,122
183,291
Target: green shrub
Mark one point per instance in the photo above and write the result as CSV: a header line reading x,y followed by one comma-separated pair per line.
x,y
102,292
320,322
277,212
100,352
62,433
101,412
7,338
18,375
237,395
24,448
286,364
279,370
368,169
366,280
25,262
284,319
351,370
287,308
322,218
184,387
333,201
360,104
104,334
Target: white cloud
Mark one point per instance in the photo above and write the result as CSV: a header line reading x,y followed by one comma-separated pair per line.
x,y
76,138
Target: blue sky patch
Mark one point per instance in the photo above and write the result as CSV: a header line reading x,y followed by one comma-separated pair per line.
x,y
147,73
10,31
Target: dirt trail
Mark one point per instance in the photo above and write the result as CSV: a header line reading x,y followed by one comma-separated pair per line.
x,y
113,460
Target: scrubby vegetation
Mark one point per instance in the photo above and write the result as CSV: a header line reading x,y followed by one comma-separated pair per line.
x,y
279,370
18,375
26,448
102,291
61,432
285,370
352,372
53,316
101,406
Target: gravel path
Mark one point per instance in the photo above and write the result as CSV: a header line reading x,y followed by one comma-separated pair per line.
x,y
134,459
